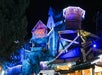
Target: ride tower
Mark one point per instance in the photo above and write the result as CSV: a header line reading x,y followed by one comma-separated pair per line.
x,y
74,40
73,37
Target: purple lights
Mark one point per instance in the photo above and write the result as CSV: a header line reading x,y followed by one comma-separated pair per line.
x,y
73,16
43,65
73,10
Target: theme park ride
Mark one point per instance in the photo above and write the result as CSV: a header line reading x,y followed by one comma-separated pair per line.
x,y
49,47
65,42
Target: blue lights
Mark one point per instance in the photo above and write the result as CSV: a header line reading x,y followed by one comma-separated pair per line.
x,y
73,53
94,45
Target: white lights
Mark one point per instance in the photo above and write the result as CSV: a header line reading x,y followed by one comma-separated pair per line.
x,y
73,10
18,66
100,56
2,73
94,45
69,65
97,60
43,64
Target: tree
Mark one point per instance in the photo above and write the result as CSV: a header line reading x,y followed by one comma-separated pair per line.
x,y
13,24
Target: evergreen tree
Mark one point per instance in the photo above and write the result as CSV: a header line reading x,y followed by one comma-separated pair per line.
x,y
13,24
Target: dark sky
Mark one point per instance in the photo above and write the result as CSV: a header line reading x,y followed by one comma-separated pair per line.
x,y
38,10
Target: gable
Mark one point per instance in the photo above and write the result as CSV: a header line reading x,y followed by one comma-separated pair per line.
x,y
40,30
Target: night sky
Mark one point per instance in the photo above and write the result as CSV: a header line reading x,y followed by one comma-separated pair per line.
x,y
38,10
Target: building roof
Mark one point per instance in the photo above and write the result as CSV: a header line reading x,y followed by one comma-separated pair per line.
x,y
39,25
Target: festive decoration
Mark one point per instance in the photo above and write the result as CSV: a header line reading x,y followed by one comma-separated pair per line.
x,y
60,43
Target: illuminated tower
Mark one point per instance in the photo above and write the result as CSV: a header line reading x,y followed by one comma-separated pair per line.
x,y
73,16
72,34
